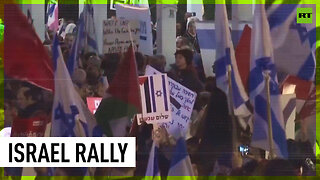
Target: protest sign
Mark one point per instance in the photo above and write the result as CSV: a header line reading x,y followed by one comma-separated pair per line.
x,y
143,15
182,101
93,103
155,98
29,127
116,35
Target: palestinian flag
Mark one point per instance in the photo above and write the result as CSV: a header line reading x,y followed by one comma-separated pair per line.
x,y
25,57
122,101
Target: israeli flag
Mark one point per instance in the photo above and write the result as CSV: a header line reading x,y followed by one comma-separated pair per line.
x,y
294,44
155,93
225,58
77,46
90,32
52,13
153,171
70,116
261,63
180,162
86,38
207,43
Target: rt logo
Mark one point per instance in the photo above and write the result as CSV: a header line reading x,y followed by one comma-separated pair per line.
x,y
304,15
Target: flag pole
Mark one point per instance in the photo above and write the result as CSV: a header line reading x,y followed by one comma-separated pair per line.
x,y
270,132
233,119
130,35
131,40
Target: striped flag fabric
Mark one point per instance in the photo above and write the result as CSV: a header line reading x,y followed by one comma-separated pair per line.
x,y
309,107
122,101
288,107
70,116
52,12
225,57
77,46
300,87
303,88
180,162
153,171
261,63
86,39
154,93
89,29
155,98
207,43
293,42
308,117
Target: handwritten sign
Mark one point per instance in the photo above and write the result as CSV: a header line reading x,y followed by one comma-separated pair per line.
x,y
116,35
142,14
155,98
93,103
182,101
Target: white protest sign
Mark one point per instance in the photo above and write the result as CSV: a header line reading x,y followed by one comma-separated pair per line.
x,y
143,16
182,101
155,98
116,36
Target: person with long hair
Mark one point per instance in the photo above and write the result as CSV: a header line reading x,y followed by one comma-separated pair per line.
x,y
215,135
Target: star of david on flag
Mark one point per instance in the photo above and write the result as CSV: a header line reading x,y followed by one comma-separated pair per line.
x,y
70,116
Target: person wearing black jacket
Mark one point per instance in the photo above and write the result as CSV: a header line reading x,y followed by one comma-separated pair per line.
x,y
184,72
191,34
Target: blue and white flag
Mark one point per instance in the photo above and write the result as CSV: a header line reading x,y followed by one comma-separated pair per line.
x,y
89,29
225,58
70,116
153,171
207,43
180,162
86,40
77,46
261,63
154,91
155,98
294,44
52,13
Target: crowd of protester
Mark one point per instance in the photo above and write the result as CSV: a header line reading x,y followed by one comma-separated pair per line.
x,y
210,130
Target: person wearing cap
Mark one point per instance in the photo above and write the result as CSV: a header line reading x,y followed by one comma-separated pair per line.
x,y
184,72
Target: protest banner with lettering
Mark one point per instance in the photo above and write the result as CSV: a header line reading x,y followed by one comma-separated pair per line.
x,y
143,15
29,127
116,36
182,101
93,103
155,98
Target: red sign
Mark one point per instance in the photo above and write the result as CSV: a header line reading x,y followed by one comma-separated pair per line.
x,y
29,127
93,103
